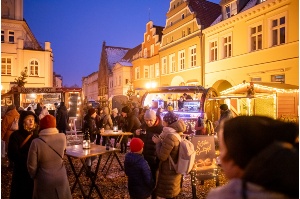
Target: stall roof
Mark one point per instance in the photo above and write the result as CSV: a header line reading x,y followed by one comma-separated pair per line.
x,y
262,87
175,89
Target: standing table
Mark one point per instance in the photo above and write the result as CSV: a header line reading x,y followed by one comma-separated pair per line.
x,y
77,152
120,135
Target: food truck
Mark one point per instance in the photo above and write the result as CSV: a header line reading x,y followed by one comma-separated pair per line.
x,y
162,97
47,96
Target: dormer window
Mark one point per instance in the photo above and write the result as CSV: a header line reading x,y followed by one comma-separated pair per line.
x,y
230,9
182,16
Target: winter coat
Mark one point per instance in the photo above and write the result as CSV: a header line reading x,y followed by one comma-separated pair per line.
x,y
47,168
116,121
168,182
6,123
90,123
149,151
38,109
272,174
140,181
22,183
107,122
62,118
131,123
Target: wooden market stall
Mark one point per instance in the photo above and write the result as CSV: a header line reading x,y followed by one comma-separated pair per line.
x,y
276,100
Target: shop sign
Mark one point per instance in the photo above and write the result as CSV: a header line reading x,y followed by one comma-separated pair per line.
x,y
37,90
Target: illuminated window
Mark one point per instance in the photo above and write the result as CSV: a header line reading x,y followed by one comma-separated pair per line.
x,y
227,47
34,68
137,73
146,71
193,56
181,59
278,28
164,65
172,65
5,66
11,37
152,50
151,71
213,50
156,70
256,38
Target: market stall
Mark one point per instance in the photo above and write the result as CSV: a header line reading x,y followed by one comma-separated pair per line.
x,y
276,100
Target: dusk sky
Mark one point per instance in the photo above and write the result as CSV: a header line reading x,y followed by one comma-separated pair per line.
x,y
77,29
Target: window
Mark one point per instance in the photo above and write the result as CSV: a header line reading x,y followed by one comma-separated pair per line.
x,y
193,56
213,50
137,73
5,66
230,10
181,57
11,37
119,80
116,80
164,65
256,38
189,31
278,31
146,72
156,70
227,46
172,63
2,36
126,81
183,33
182,16
152,50
278,78
34,68
151,71
145,52
171,23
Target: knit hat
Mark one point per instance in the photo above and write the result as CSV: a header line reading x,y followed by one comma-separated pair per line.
x,y
136,145
150,115
47,122
223,107
170,117
91,111
115,110
125,109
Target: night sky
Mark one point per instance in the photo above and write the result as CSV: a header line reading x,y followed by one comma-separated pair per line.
x,y
77,29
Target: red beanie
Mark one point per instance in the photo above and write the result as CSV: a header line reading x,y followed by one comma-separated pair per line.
x,y
47,122
136,144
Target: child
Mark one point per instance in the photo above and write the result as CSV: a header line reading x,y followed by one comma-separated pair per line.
x,y
140,181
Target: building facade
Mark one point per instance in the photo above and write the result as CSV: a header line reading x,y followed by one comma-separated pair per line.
x,y
20,51
90,87
255,43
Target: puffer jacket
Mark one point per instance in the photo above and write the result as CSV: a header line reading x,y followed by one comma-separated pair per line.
x,y
140,181
168,182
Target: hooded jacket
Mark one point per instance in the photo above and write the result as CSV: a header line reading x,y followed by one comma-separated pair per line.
x,y
140,181
6,123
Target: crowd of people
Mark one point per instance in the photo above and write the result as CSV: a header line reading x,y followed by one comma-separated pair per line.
x,y
252,158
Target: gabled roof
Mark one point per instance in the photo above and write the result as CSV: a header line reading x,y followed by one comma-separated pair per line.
x,y
128,56
159,32
114,55
206,11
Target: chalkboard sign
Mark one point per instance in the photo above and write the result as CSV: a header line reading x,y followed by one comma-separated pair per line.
x,y
205,152
73,104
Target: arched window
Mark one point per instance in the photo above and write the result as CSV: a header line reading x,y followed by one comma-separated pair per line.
x,y
34,68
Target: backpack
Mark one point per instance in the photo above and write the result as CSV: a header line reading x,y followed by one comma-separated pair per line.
x,y
186,156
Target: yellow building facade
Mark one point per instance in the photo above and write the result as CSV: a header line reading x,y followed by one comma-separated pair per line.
x,y
260,44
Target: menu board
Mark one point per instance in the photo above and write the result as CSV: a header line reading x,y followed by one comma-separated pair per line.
x,y
205,152
73,104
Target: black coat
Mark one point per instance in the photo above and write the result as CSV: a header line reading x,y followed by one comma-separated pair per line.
x,y
62,118
22,183
140,181
90,123
131,123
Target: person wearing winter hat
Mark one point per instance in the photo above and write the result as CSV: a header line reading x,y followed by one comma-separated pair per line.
x,y
131,124
152,126
18,147
225,115
167,144
140,181
44,153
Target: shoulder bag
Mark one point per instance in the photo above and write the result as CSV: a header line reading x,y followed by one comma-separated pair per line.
x,y
51,148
